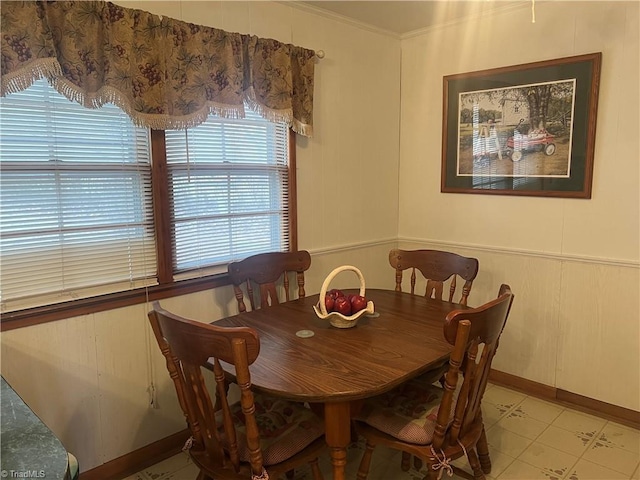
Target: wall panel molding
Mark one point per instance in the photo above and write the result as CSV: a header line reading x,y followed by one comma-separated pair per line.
x,y
612,262
392,242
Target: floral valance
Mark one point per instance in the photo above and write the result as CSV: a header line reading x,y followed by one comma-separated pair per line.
x,y
165,73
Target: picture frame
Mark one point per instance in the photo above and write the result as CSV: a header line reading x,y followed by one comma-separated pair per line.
x,y
526,129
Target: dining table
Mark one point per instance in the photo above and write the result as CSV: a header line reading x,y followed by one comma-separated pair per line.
x,y
305,359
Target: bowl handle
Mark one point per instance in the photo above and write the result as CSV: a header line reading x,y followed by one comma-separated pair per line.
x,y
327,281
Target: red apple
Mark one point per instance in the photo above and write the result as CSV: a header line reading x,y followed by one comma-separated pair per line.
x,y
342,305
358,302
335,293
329,302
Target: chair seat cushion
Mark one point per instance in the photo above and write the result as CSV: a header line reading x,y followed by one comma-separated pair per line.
x,y
286,428
408,413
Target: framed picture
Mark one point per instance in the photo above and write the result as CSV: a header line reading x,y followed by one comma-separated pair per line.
x,y
522,130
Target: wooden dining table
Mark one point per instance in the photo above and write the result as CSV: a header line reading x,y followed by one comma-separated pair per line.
x,y
339,367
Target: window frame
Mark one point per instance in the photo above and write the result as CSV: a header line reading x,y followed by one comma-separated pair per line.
x,y
167,287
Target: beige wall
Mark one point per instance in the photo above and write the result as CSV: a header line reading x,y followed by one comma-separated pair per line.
x,y
572,264
90,378
568,261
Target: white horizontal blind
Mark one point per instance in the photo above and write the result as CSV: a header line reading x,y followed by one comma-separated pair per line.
x,y
76,209
229,187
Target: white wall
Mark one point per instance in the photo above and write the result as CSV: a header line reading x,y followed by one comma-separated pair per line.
x,y
88,378
572,264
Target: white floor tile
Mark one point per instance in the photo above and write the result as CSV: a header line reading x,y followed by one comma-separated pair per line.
x,y
492,413
520,470
579,422
518,422
507,442
539,409
585,470
502,396
499,462
612,457
573,443
549,459
161,470
620,436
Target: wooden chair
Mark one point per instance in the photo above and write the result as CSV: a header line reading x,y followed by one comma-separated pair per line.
x,y
257,437
264,270
437,267
441,424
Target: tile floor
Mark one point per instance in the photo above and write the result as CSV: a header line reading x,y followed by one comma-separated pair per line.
x,y
529,439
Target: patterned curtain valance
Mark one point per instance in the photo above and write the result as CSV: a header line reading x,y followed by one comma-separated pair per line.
x,y
165,73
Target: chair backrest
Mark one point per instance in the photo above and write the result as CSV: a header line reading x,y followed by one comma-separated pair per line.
x,y
265,270
187,345
437,267
467,330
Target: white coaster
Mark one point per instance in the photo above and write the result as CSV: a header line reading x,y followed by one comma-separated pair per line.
x,y
305,333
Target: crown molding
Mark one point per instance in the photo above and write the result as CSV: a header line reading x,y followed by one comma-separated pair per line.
x,y
339,18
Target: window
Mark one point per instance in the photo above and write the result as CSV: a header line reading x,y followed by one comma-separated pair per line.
x,y
229,185
87,209
75,193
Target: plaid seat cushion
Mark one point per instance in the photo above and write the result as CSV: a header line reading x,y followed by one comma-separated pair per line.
x,y
286,428
408,413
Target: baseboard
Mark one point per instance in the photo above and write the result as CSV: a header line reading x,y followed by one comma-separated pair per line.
x,y
139,459
624,416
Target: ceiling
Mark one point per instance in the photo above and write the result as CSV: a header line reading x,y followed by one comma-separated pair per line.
x,y
404,16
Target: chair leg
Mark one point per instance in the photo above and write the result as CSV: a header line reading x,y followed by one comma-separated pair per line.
x,y
203,476
365,463
290,474
315,470
406,462
478,474
432,474
483,453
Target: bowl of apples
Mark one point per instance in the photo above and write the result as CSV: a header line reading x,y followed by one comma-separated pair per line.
x,y
342,311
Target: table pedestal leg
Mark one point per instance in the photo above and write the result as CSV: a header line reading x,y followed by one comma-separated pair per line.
x,y
337,421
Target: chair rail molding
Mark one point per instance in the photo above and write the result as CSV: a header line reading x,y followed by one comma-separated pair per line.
x,y
351,246
612,262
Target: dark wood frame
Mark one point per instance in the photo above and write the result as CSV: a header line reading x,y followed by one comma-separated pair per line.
x,y
167,287
585,69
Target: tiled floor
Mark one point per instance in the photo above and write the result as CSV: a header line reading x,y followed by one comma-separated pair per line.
x,y
529,439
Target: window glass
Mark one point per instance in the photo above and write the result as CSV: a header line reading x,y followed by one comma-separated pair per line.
x,y
75,192
77,202
229,187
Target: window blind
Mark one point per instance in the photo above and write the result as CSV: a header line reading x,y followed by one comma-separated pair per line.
x,y
75,191
229,187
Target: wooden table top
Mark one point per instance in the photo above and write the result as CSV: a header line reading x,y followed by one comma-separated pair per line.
x,y
345,364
